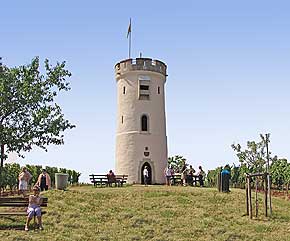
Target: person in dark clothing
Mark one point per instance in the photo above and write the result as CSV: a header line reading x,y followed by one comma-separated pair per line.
x,y
201,175
44,181
111,178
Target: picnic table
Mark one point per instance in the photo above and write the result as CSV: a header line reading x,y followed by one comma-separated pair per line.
x,y
190,179
103,180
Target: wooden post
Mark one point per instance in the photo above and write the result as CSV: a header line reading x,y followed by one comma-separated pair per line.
x,y
256,197
250,198
269,194
266,195
268,173
247,195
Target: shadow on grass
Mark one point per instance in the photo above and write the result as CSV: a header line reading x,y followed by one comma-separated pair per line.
x,y
11,224
12,227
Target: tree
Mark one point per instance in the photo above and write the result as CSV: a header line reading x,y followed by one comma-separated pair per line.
x,y
176,162
254,157
280,172
29,115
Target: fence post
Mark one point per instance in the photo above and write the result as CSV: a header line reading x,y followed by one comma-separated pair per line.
x,y
256,197
266,195
250,197
247,195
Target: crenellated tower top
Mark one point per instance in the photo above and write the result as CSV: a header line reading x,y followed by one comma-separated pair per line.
x,y
146,64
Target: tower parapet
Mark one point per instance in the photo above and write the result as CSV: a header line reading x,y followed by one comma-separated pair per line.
x,y
139,64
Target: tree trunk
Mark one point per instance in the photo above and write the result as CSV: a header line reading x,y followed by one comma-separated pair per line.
x,y
2,155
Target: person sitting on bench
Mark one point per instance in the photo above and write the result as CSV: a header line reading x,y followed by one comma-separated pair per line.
x,y
111,177
34,208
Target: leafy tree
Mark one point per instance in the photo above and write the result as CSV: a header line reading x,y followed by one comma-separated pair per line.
x,y
254,157
176,162
29,115
212,176
34,170
279,172
75,176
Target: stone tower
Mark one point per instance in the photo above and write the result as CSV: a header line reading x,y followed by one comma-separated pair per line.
x,y
141,126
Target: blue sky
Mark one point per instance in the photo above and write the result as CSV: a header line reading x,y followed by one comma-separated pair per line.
x,y
228,65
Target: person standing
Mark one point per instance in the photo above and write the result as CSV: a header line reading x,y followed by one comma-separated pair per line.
x,y
24,178
184,175
191,172
201,175
168,172
146,175
44,181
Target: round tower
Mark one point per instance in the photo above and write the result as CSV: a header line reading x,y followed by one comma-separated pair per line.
x,y
141,126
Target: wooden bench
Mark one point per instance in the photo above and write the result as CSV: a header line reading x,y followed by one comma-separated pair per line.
x,y
176,179
102,180
17,206
121,179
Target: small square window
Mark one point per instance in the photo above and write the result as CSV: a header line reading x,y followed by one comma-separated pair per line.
x,y
144,87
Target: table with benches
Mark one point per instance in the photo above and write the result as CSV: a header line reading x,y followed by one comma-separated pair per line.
x,y
17,206
103,180
190,180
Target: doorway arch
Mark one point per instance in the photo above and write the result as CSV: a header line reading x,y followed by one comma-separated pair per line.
x,y
146,164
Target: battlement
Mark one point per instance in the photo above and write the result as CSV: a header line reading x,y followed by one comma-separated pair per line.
x,y
146,64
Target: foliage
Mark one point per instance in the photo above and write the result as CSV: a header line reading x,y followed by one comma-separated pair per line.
x,y
254,156
29,115
176,162
280,172
10,171
9,176
212,176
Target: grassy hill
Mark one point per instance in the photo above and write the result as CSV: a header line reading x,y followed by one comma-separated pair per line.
x,y
152,213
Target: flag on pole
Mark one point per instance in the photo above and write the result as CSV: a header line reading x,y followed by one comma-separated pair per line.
x,y
129,29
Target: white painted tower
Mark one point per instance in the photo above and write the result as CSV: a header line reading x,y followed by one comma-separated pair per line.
x,y
141,126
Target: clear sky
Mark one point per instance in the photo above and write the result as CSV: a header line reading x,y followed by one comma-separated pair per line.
x,y
228,65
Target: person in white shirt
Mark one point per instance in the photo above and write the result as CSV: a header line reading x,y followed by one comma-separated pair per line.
x,y
168,172
24,178
146,175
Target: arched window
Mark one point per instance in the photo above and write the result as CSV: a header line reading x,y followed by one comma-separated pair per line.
x,y
144,123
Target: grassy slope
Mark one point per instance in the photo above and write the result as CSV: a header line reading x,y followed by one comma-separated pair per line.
x,y
153,213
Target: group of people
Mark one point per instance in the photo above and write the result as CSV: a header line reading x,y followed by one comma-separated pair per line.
x,y
43,180
35,200
187,175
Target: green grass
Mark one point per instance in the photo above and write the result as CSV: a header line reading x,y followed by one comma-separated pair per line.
x,y
152,213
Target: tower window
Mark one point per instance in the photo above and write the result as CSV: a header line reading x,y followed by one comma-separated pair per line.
x,y
144,87
158,90
144,123
124,90
122,119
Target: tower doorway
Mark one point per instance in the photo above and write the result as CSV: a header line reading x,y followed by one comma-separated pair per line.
x,y
146,164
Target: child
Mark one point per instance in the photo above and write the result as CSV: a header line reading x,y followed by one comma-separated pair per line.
x,y
34,208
